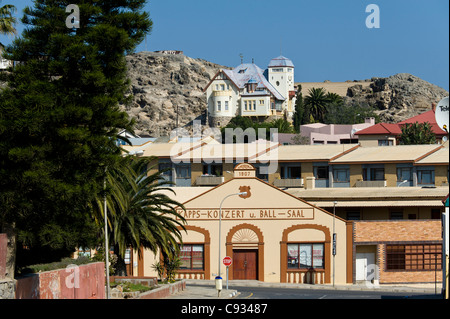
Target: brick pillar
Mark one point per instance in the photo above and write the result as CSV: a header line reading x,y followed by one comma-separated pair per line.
x,y
3,249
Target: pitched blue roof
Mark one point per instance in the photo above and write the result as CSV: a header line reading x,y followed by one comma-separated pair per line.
x,y
281,61
246,72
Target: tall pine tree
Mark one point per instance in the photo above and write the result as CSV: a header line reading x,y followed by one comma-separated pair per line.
x,y
299,110
60,116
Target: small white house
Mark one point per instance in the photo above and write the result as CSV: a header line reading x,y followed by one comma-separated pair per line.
x,y
4,64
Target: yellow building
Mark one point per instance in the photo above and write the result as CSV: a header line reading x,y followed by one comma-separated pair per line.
x,y
379,198
271,235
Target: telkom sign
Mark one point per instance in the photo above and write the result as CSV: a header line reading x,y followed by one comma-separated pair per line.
x,y
441,114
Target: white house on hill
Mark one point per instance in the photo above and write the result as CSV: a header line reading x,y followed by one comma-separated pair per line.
x,y
247,90
4,64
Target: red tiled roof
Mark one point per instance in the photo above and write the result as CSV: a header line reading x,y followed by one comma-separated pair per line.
x,y
426,117
381,129
395,129
421,118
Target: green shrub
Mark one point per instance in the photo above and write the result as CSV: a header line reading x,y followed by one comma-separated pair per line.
x,y
55,265
130,287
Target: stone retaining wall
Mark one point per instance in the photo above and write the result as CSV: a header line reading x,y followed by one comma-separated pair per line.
x,y
7,288
164,291
145,281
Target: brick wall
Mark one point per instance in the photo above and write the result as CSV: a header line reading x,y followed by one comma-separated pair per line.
x,y
401,230
391,276
381,233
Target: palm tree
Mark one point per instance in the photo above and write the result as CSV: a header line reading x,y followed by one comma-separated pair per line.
x,y
334,99
7,20
282,126
138,213
317,102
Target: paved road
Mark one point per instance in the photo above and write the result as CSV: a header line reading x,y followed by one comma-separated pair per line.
x,y
266,300
258,290
289,293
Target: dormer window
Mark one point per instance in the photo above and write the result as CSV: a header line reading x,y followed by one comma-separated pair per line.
x,y
251,86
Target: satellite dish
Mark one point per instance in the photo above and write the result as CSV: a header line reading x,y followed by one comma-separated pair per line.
x,y
441,114
354,130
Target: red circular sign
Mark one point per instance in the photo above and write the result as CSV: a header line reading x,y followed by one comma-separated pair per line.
x,y
227,261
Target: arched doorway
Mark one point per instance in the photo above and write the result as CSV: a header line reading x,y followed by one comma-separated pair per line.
x,y
245,244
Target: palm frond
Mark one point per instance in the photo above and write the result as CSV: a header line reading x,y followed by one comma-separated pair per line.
x,y
140,213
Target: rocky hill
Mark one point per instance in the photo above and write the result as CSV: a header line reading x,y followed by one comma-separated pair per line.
x,y
397,97
161,84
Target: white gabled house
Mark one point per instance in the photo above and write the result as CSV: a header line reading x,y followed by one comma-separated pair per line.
x,y
247,90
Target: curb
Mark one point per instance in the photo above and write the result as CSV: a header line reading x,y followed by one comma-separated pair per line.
x,y
386,288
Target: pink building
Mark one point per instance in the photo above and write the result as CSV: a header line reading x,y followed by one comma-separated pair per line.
x,y
318,133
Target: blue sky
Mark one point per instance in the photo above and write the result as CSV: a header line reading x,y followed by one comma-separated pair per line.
x,y
326,40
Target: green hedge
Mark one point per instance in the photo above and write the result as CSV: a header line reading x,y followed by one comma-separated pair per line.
x,y
55,265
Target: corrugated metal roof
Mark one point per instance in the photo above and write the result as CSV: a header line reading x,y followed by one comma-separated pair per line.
x,y
220,152
310,152
375,193
439,157
171,149
398,153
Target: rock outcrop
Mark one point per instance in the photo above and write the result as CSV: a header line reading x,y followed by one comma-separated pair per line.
x,y
164,85
398,97
161,83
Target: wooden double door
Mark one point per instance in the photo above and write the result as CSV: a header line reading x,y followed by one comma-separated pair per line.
x,y
245,264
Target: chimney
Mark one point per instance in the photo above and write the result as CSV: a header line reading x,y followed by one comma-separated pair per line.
x,y
310,182
369,120
433,107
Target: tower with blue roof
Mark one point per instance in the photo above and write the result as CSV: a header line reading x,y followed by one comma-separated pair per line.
x,y
281,76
